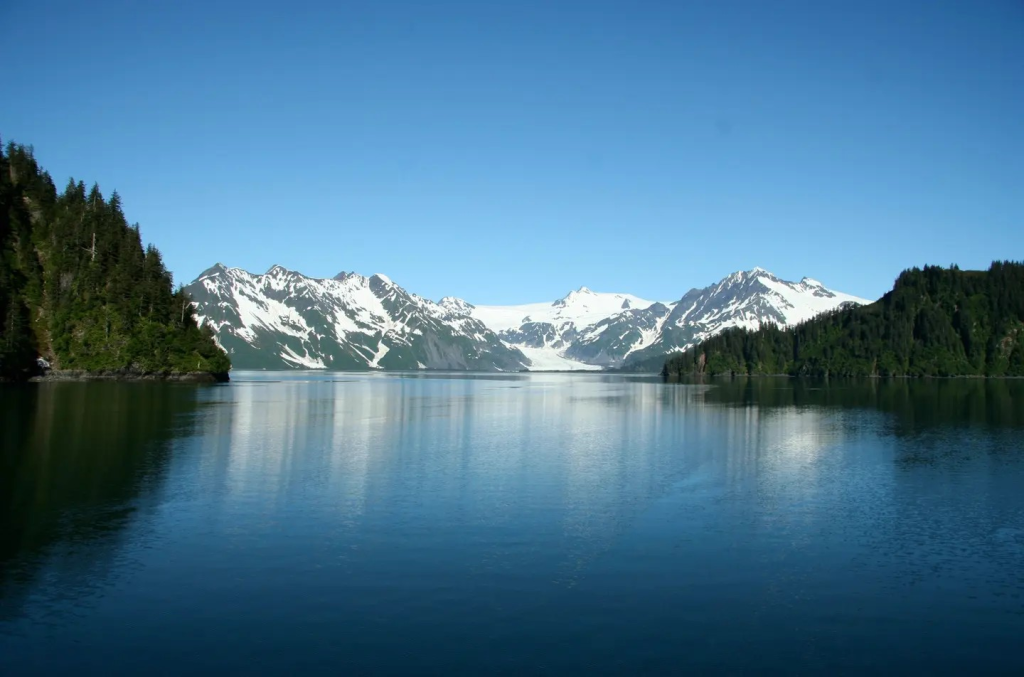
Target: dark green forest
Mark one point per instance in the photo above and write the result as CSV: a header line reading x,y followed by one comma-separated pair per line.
x,y
935,322
78,288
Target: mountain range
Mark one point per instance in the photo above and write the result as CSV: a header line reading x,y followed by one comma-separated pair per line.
x,y
285,320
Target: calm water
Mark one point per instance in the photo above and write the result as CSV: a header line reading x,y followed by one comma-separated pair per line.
x,y
529,524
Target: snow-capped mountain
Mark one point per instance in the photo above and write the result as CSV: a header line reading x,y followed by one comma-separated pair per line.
x,y
745,299
546,332
619,330
283,319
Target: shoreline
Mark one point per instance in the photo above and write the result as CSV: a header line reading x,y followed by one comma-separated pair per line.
x,y
879,377
81,375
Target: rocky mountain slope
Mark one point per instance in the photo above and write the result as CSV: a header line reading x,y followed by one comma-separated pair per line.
x,y
283,319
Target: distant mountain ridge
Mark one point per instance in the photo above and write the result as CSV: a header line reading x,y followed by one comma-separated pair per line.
x,y
625,331
283,319
935,322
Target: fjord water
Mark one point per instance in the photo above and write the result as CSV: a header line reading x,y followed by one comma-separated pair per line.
x,y
540,524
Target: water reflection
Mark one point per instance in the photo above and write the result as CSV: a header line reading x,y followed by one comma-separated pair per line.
x,y
79,462
619,517
917,404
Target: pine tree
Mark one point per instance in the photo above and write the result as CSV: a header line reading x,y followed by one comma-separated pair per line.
x,y
935,322
77,286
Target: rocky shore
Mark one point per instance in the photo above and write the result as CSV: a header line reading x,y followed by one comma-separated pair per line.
x,y
130,375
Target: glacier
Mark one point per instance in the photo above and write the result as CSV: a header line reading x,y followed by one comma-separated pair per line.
x,y
283,319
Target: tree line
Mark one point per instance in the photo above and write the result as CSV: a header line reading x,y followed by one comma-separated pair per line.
x,y
78,288
935,322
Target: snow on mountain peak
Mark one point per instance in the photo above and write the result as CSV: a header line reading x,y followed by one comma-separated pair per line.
x,y
758,271
740,275
283,318
583,294
748,276
456,305
215,269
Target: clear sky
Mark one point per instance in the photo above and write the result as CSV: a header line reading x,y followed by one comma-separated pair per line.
x,y
510,151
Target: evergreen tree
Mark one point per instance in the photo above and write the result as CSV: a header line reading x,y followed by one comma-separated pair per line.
x,y
935,322
78,288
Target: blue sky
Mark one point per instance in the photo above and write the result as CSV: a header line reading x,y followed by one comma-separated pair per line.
x,y
510,151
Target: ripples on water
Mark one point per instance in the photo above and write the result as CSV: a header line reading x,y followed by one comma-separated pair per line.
x,y
444,523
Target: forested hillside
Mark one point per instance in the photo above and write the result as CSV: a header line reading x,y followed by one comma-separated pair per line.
x,y
78,288
934,322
